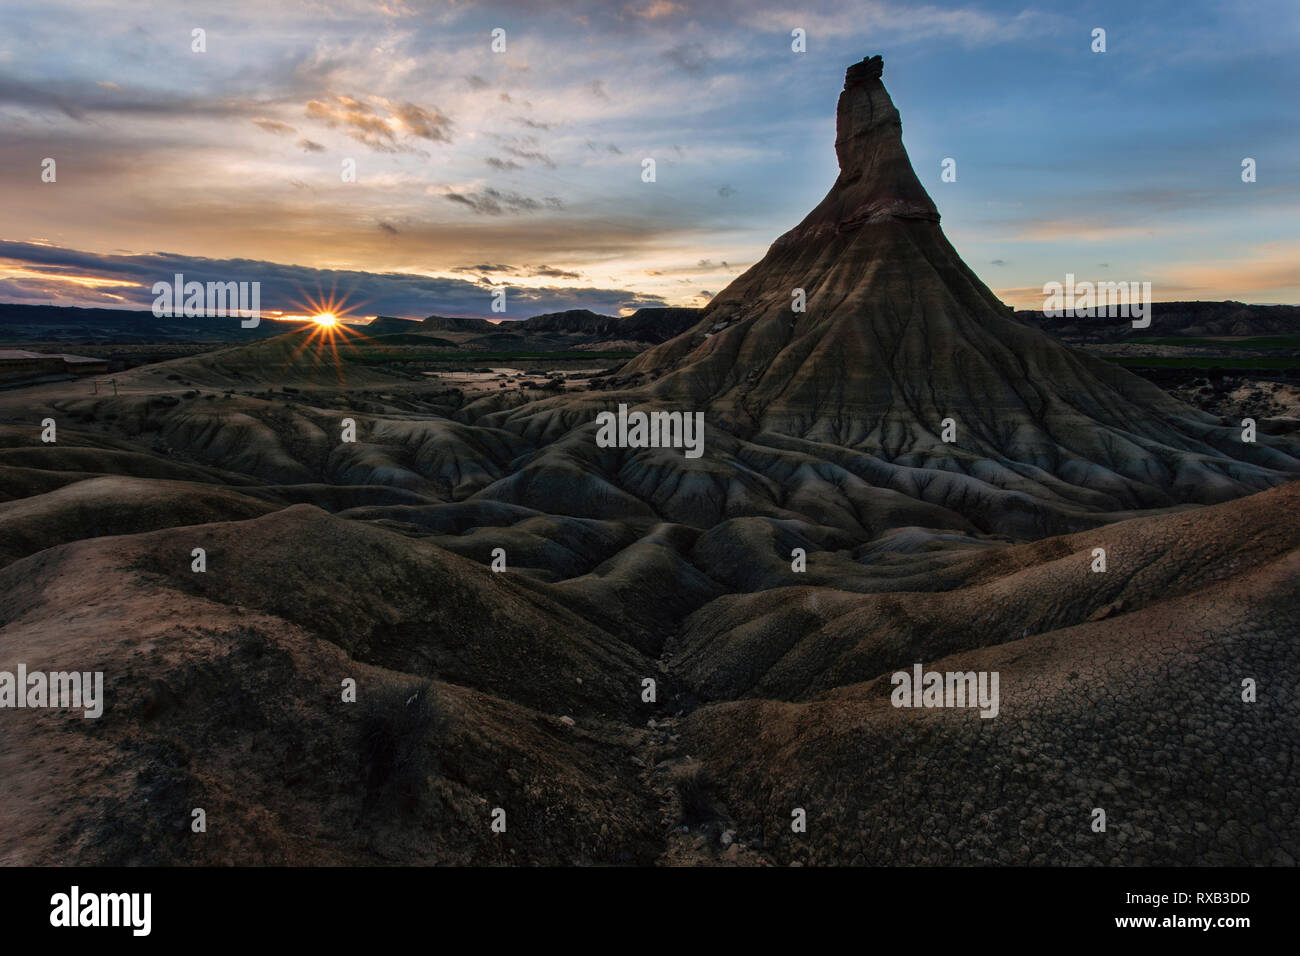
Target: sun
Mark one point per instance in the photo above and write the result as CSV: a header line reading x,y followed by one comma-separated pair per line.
x,y
325,319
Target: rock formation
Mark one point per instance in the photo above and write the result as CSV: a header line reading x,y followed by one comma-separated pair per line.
x,y
899,335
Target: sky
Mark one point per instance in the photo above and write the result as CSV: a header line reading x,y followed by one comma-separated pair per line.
x,y
478,169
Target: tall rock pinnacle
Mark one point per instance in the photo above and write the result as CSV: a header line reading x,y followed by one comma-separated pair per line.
x,y
876,180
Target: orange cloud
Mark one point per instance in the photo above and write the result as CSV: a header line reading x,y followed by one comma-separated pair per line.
x,y
1268,271
380,132
659,9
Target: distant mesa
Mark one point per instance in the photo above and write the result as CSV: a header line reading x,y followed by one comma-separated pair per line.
x,y
654,324
388,325
20,364
442,323
571,320
644,326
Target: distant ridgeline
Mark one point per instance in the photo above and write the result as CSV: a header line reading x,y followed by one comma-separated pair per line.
x,y
650,325
46,323
51,323
1188,319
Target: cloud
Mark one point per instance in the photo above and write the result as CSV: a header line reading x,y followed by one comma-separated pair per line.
x,y
495,202
310,146
700,270
658,9
1077,230
36,272
366,124
726,192
1267,272
78,100
1272,267
484,268
901,22
504,165
274,126
534,155
426,124
1126,213
525,147
532,272
550,273
690,57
